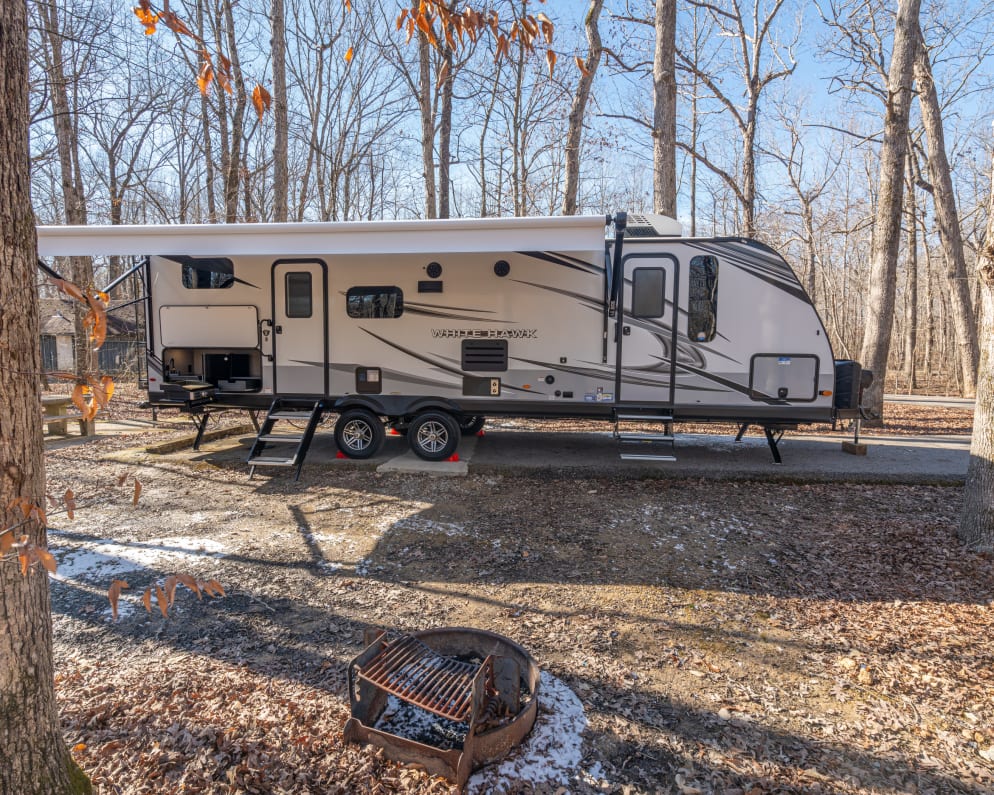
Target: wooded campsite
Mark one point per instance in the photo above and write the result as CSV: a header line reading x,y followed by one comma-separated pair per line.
x,y
170,622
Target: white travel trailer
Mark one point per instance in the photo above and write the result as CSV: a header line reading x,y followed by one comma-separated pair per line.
x,y
430,326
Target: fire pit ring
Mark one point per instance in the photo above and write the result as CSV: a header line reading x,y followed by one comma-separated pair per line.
x,y
428,669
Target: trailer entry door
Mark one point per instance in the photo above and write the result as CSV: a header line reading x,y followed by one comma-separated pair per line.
x,y
300,327
646,330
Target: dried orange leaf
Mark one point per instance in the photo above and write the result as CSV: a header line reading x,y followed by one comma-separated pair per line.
x,y
349,54
23,558
160,597
216,586
70,501
6,542
77,398
46,559
147,599
79,747
582,66
171,583
121,479
138,491
550,58
114,593
190,583
443,73
261,100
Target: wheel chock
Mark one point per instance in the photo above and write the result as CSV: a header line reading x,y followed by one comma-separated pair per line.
x,y
340,454
453,457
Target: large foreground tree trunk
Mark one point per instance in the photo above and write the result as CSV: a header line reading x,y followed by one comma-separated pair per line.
x,y
976,527
34,756
887,226
947,219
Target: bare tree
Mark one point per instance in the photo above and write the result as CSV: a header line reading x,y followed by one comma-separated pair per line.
x,y
887,228
976,528
664,110
947,218
577,114
277,21
753,35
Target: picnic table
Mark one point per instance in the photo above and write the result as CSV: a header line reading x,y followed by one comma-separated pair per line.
x,y
58,411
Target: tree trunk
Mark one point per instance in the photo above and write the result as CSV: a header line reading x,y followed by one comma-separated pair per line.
x,y
976,528
280,122
73,195
664,110
911,301
427,125
233,173
574,130
35,758
887,226
445,136
947,219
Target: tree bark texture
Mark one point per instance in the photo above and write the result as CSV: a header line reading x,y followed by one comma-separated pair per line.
x,y
664,110
34,756
445,134
280,113
427,125
887,226
578,110
947,219
911,291
976,528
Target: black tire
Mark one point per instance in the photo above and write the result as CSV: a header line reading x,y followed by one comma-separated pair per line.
x,y
472,424
359,433
433,436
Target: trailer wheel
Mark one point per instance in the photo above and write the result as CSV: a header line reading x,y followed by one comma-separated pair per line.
x,y
359,433
433,436
472,424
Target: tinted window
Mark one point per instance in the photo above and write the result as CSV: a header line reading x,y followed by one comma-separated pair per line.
x,y
648,292
702,303
298,295
208,274
365,302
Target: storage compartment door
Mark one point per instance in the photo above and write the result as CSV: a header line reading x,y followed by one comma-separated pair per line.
x,y
300,327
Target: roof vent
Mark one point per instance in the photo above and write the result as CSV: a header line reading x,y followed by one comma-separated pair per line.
x,y
652,225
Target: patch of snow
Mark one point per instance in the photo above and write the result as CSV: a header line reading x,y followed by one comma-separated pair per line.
x,y
101,558
550,754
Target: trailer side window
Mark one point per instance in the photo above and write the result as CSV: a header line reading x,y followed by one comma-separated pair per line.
x,y
367,302
702,303
212,273
298,294
648,292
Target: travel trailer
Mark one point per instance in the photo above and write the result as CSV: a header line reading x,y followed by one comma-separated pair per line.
x,y
431,326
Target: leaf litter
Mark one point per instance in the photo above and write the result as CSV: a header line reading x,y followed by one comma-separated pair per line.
x,y
736,638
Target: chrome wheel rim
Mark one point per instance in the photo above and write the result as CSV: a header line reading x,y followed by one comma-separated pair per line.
x,y
357,435
432,436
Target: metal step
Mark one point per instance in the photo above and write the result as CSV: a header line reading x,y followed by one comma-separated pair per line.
x,y
647,457
281,437
272,461
289,414
644,437
643,417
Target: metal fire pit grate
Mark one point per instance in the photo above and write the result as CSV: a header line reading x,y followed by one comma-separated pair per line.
x,y
491,706
408,669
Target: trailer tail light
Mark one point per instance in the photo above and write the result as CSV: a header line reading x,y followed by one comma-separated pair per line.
x,y
826,393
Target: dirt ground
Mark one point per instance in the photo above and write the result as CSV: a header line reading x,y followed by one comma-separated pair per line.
x,y
721,637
